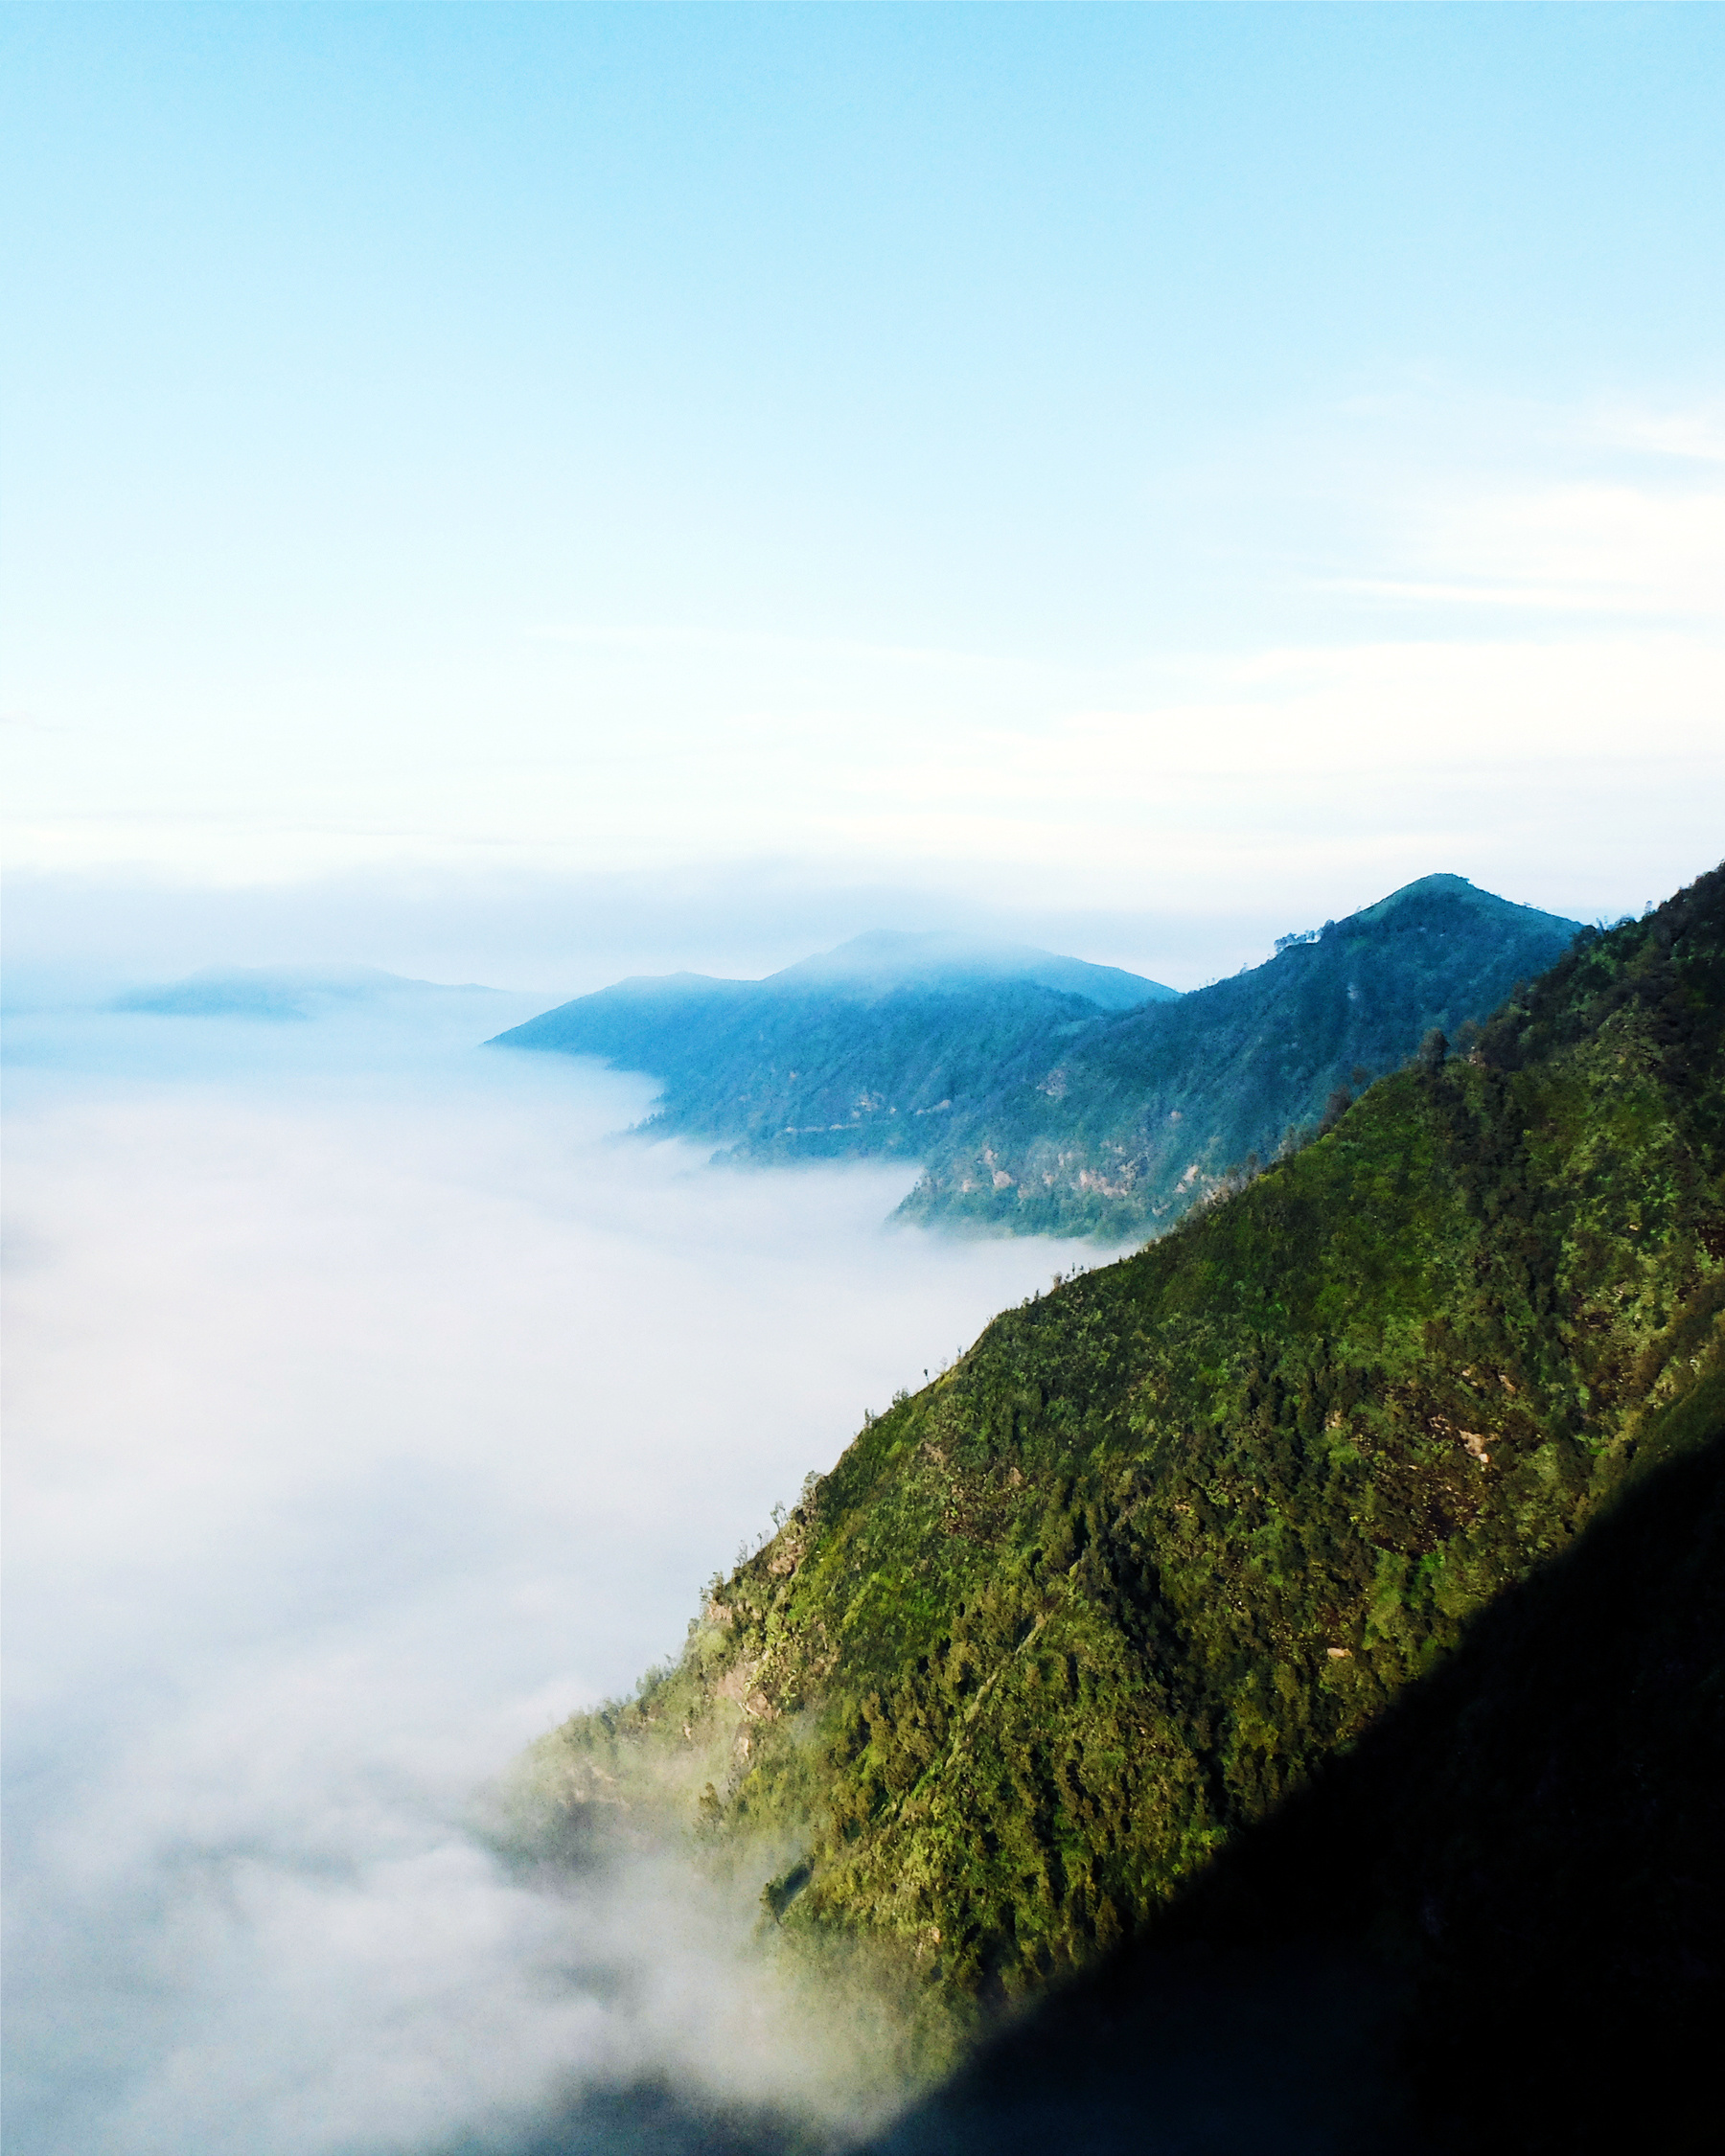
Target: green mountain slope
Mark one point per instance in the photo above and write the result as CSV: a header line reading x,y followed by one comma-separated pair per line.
x,y
1063,1627
1122,1127
1497,1923
851,1052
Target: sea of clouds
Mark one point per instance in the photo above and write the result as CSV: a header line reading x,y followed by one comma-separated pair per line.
x,y
371,1409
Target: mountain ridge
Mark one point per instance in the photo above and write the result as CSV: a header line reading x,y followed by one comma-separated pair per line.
x,y
1031,1107
1062,1629
889,958
1158,1111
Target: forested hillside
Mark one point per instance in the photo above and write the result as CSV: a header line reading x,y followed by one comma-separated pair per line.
x,y
1122,1127
1494,1927
1060,1629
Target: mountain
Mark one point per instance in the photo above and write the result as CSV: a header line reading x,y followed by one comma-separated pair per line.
x,y
846,1053
1122,1127
1044,1095
888,959
1178,1550
280,993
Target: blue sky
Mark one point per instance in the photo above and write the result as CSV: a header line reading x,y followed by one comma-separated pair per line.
x,y
1121,457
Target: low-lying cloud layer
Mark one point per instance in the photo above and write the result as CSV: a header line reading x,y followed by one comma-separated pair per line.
x,y
371,1410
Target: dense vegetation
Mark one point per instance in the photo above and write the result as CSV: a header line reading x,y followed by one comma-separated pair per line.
x,y
1063,1629
1496,1924
1044,1095
1123,1126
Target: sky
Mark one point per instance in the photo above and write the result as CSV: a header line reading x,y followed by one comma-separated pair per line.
x,y
1158,475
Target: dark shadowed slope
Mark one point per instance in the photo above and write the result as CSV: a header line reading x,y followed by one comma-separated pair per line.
x,y
1498,1925
1062,1628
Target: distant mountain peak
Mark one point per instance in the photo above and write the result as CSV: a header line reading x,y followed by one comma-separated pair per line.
x,y
279,992
1444,886
882,959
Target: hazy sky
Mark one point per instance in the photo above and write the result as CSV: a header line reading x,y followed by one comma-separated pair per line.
x,y
1129,458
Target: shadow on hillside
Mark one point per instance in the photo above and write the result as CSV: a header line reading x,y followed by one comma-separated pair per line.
x,y
1496,1925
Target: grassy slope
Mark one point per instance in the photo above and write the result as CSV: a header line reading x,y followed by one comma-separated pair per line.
x,y
1058,1629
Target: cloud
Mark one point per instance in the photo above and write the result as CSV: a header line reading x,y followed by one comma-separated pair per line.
x,y
1696,435
1598,550
670,636
1418,631
1360,539
370,1411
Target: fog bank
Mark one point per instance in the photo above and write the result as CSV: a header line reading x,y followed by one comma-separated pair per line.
x,y
370,1411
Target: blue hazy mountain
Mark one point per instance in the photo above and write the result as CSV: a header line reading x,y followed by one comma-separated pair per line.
x,y
281,994
1043,1094
887,960
850,1053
